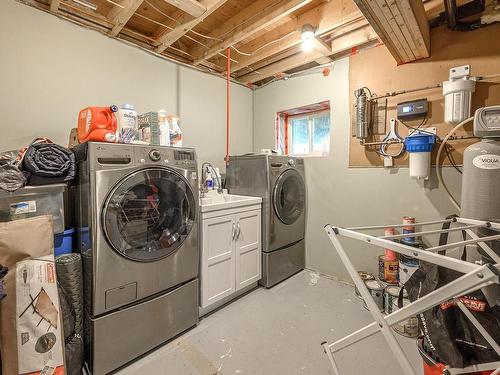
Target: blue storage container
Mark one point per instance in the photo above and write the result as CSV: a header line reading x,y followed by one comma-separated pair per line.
x,y
63,242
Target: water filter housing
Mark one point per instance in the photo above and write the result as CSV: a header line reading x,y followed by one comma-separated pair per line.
x,y
420,146
457,93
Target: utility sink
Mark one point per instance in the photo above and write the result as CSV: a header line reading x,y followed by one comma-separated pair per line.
x,y
214,201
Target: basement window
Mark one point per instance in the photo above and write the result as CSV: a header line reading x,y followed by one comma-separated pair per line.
x,y
304,131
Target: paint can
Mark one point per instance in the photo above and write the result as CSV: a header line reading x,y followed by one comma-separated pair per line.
x,y
388,270
391,294
365,276
390,254
376,290
407,266
409,227
408,327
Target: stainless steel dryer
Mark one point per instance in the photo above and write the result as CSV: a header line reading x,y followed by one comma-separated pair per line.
x,y
280,182
137,220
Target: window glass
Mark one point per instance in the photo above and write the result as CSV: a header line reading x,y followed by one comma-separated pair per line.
x,y
300,136
304,131
321,133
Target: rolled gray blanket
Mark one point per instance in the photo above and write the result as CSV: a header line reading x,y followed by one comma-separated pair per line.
x,y
49,163
69,278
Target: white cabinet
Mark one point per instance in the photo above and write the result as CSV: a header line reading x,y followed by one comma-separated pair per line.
x,y
230,252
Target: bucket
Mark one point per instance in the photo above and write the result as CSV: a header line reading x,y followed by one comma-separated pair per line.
x,y
433,367
376,290
364,276
63,242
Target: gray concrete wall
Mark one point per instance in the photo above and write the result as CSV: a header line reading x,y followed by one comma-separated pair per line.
x,y
337,194
51,68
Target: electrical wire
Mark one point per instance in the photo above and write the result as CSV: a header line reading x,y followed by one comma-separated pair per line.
x,y
206,36
439,166
451,159
241,53
115,4
161,12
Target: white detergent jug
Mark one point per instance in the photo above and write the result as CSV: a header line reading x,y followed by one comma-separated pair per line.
x,y
175,132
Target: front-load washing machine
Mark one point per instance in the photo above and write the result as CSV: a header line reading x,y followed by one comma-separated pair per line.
x,y
137,223
280,182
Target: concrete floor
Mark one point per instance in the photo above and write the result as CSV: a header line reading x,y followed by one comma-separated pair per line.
x,y
278,332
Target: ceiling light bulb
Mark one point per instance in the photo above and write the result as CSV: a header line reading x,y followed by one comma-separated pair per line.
x,y
307,32
307,45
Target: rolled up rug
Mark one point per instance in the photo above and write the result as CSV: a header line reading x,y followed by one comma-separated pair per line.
x,y
48,163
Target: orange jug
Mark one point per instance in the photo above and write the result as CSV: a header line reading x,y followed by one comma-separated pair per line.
x,y
97,124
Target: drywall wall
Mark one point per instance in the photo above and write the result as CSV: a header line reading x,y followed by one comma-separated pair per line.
x,y
51,68
337,194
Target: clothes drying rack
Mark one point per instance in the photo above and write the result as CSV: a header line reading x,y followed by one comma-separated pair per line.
x,y
475,276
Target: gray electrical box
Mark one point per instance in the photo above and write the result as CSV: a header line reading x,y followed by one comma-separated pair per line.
x,y
487,122
413,109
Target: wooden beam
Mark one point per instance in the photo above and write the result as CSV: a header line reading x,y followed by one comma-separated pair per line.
x,y
169,37
337,16
120,16
402,25
54,5
268,14
192,7
340,44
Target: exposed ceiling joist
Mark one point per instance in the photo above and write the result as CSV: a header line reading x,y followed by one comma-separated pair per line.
x,y
54,5
266,17
402,25
335,16
169,37
192,7
120,16
340,44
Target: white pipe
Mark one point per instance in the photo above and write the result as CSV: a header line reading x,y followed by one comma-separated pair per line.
x,y
439,166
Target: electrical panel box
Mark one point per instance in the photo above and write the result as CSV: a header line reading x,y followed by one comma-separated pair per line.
x,y
487,122
413,109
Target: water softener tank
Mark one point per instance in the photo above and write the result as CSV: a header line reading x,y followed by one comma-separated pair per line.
x,y
481,185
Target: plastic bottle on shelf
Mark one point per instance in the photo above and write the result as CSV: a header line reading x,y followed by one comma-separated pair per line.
x,y
175,132
209,182
127,124
164,128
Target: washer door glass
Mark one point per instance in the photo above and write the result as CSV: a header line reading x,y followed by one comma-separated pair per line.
x,y
289,196
149,214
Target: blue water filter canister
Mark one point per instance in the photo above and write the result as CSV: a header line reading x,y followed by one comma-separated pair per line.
x,y
419,146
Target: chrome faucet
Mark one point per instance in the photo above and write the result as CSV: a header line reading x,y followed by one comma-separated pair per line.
x,y
203,185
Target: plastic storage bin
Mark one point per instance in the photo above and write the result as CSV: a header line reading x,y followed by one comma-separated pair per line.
x,y
33,201
63,242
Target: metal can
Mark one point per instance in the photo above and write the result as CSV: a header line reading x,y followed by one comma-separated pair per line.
x,y
407,266
388,270
408,327
409,228
376,290
391,295
390,254
365,276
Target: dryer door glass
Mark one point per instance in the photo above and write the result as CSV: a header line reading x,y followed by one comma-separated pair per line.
x,y
289,196
149,214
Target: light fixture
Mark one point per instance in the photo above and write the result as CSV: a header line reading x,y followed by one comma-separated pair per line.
x,y
86,4
307,37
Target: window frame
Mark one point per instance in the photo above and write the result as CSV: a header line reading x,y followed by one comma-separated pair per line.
x,y
310,116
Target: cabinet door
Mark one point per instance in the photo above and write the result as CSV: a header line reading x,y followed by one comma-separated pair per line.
x,y
248,248
218,268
